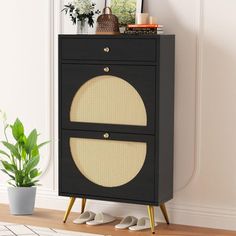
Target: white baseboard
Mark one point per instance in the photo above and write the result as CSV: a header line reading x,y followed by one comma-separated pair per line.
x,y
203,216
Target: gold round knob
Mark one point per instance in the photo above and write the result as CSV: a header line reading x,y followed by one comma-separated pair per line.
x,y
106,49
106,135
106,69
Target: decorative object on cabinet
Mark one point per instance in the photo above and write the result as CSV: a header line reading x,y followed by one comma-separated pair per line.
x,y
107,23
19,161
142,19
126,10
116,119
81,13
152,20
139,29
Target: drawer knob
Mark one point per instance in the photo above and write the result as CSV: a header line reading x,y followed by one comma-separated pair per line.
x,y
106,69
106,49
106,135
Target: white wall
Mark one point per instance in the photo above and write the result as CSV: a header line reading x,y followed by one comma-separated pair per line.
x,y
205,127
25,71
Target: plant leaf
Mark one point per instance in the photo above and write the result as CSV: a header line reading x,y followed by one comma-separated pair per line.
x,y
4,153
12,149
34,173
11,176
9,167
31,183
17,129
31,141
23,154
11,183
19,178
42,144
35,151
22,140
32,163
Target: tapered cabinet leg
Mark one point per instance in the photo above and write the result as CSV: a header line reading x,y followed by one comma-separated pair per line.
x,y
72,201
164,212
152,218
83,204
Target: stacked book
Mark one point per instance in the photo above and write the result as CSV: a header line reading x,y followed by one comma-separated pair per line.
x,y
144,29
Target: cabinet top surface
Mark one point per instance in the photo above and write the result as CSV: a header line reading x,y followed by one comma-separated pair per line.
x,y
120,36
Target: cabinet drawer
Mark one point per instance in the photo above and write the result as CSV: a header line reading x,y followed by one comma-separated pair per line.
x,y
113,166
109,49
120,100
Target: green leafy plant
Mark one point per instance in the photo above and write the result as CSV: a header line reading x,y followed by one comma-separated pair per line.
x,y
20,159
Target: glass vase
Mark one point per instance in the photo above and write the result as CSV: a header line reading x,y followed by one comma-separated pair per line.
x,y
82,27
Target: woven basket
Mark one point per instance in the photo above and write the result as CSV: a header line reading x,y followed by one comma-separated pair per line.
x,y
107,23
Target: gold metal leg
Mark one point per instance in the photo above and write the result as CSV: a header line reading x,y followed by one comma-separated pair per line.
x,y
83,204
164,212
152,218
72,201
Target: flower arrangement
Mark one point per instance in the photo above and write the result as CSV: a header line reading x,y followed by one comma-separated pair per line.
x,y
81,10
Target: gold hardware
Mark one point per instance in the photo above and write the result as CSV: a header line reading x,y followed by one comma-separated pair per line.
x,y
164,212
152,218
106,69
83,204
106,49
106,135
72,201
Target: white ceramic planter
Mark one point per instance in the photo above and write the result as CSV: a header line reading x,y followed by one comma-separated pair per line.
x,y
21,200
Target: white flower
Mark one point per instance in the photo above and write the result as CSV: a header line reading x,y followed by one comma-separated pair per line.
x,y
3,116
84,6
74,14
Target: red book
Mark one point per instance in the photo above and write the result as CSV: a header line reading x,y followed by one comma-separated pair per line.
x,y
145,26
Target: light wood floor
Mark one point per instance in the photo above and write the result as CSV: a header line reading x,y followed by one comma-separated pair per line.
x,y
53,219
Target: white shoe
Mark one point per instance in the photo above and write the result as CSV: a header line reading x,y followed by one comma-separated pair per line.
x,y
84,217
143,223
127,222
101,218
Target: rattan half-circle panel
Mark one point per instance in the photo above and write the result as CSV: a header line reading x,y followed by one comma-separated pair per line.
x,y
108,163
108,100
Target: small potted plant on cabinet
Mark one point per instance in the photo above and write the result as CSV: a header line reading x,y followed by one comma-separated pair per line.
x,y
82,14
19,160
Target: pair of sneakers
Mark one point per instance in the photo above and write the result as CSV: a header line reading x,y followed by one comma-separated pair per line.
x,y
132,223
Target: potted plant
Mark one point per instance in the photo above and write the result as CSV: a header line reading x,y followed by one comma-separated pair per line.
x,y
19,160
81,13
